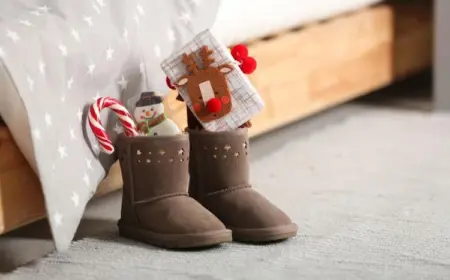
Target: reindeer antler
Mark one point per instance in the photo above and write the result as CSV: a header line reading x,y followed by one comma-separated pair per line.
x,y
188,60
205,55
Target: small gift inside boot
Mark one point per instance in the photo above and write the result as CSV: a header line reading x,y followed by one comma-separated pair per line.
x,y
151,117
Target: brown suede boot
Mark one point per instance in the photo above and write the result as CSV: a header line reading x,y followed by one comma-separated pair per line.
x,y
220,181
156,208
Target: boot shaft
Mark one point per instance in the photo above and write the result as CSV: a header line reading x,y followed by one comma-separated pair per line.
x,y
153,167
219,161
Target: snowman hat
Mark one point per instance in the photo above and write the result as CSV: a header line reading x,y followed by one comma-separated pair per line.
x,y
148,98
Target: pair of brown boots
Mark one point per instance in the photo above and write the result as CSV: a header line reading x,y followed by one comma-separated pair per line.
x,y
193,190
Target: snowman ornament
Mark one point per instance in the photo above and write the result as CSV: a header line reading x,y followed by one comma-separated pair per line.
x,y
150,117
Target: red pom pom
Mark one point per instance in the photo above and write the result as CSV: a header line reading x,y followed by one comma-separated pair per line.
x,y
169,83
248,65
239,52
214,105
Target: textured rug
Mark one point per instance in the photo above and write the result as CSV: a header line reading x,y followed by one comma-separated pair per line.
x,y
368,186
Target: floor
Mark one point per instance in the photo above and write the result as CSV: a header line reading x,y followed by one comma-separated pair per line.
x,y
366,182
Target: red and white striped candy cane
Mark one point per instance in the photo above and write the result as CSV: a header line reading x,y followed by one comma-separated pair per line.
x,y
96,125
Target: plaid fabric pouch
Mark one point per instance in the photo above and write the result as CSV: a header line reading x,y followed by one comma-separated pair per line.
x,y
186,69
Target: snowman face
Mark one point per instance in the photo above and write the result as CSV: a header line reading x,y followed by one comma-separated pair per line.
x,y
148,112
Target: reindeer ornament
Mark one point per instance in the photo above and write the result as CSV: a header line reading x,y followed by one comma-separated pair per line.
x,y
207,87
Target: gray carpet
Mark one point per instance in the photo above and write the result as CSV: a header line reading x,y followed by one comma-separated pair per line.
x,y
368,186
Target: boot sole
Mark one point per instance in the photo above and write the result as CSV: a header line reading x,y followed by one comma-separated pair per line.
x,y
177,241
263,235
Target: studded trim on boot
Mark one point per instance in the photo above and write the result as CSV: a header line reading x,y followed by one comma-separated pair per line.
x,y
156,208
219,171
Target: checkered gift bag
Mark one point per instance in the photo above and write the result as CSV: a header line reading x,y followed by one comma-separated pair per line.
x,y
245,100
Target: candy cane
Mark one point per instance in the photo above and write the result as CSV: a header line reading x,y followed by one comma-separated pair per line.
x,y
96,125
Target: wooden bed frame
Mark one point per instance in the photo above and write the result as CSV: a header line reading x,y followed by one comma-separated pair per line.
x,y
300,72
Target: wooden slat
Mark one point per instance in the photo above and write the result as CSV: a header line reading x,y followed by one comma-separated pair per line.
x,y
21,199
340,60
324,64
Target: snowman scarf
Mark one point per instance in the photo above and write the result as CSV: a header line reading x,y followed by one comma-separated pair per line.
x,y
147,125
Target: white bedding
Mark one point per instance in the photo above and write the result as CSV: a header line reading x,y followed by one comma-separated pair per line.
x,y
240,20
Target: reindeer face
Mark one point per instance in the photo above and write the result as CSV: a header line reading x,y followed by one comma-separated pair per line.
x,y
207,88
